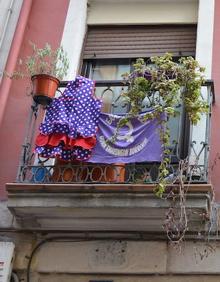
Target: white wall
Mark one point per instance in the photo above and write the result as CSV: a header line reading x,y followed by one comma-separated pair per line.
x,y
9,13
204,48
73,34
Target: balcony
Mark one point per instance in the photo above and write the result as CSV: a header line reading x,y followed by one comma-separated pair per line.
x,y
53,195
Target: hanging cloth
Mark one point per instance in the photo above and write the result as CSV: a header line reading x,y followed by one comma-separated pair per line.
x,y
137,141
71,123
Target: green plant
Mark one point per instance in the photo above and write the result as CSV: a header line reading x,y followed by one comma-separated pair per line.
x,y
174,83
43,61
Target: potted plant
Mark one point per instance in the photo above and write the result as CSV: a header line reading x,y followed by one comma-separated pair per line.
x,y
46,67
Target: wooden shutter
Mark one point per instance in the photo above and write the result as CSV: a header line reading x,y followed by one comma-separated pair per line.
x,y
139,41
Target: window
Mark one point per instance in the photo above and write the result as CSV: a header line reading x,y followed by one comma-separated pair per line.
x,y
110,51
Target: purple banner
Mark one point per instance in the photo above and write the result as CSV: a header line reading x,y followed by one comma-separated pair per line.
x,y
137,141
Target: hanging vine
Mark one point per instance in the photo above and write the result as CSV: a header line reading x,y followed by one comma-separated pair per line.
x,y
172,83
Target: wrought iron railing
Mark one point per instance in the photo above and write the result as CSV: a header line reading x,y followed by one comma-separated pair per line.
x,y
34,169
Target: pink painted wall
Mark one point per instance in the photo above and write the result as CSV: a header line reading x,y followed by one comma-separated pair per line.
x,y
215,133
45,24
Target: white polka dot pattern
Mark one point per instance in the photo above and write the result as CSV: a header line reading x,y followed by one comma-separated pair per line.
x,y
75,113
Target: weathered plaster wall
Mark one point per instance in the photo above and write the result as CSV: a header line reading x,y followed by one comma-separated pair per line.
x,y
124,278
144,261
45,24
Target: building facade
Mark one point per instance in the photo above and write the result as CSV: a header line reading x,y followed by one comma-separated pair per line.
x,y
96,222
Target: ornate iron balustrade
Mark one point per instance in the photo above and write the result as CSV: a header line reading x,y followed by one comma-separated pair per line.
x,y
33,169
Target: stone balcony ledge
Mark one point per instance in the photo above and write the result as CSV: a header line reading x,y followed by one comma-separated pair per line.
x,y
101,207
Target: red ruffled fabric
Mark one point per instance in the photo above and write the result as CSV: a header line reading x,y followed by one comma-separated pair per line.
x,y
55,139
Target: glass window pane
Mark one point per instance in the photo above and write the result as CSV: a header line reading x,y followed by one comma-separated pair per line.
x,y
112,99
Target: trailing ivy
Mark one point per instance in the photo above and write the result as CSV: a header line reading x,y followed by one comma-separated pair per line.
x,y
171,83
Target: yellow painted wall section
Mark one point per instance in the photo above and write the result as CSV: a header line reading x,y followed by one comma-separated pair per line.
x,y
147,12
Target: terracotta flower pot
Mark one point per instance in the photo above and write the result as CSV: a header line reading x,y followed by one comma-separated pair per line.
x,y
44,88
84,172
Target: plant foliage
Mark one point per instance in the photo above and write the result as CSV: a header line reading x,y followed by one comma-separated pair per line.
x,y
43,61
173,83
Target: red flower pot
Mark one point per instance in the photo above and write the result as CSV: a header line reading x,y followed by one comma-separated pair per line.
x,y
44,88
